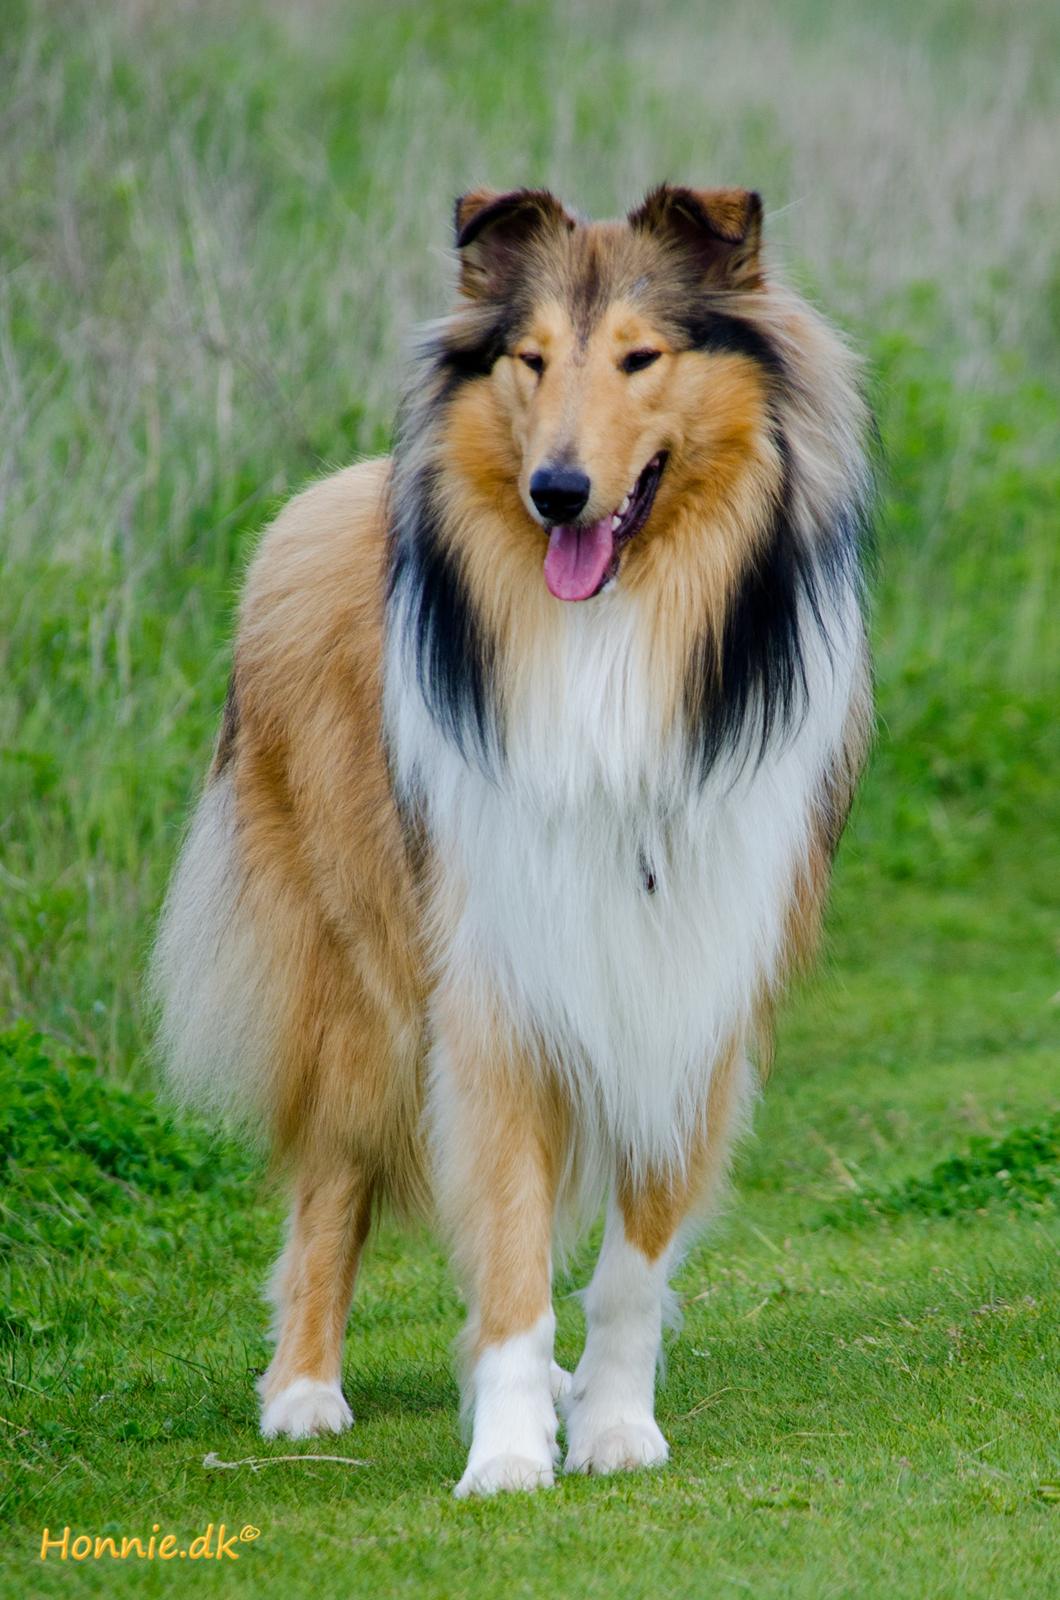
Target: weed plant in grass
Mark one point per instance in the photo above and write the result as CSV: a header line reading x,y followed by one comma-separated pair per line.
x,y
1021,1170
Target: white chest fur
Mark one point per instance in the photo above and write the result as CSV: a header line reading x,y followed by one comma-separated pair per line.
x,y
633,992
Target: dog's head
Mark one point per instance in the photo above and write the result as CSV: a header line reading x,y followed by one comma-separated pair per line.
x,y
615,363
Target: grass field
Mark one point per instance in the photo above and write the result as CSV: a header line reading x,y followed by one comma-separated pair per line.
x,y
217,224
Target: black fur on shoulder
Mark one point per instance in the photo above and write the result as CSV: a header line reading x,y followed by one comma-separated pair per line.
x,y
753,690
454,658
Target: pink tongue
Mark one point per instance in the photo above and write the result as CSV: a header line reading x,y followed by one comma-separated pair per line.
x,y
578,559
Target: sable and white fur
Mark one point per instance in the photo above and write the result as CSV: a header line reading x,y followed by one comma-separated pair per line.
x,y
490,894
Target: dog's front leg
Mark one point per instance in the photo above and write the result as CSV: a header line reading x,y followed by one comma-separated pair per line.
x,y
611,1423
610,1411
497,1130
312,1285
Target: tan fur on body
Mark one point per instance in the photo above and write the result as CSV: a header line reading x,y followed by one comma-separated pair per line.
x,y
316,816
381,1074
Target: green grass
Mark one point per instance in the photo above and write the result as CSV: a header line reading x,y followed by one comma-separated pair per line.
x,y
216,225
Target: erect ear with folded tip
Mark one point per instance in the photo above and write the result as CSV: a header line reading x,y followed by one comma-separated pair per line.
x,y
493,231
720,230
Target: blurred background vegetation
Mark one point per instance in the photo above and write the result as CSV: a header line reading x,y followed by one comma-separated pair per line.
x,y
218,224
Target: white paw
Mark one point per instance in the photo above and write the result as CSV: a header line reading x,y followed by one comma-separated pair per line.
x,y
306,1407
503,1473
561,1383
621,1448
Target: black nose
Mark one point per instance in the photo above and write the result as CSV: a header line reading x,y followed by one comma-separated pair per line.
x,y
559,493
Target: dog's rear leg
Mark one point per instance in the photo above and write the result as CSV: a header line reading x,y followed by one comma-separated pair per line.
x,y
610,1410
312,1288
498,1135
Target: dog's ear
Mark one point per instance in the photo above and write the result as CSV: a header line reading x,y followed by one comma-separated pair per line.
x,y
492,233
721,229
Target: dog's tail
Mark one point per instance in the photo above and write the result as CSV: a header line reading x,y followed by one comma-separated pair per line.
x,y
212,979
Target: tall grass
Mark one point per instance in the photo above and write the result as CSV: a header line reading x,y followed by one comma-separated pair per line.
x,y
217,226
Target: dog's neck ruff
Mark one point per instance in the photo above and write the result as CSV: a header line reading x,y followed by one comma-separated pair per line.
x,y
740,691
633,995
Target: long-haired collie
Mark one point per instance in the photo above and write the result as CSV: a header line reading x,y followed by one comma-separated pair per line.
x,y
540,738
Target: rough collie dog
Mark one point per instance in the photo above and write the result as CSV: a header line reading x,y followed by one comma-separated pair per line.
x,y
540,738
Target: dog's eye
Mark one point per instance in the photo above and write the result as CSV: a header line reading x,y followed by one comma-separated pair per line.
x,y
637,360
531,358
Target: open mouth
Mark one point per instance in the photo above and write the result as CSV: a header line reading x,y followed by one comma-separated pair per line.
x,y
581,558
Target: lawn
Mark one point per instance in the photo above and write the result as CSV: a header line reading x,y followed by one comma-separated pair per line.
x,y
217,226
